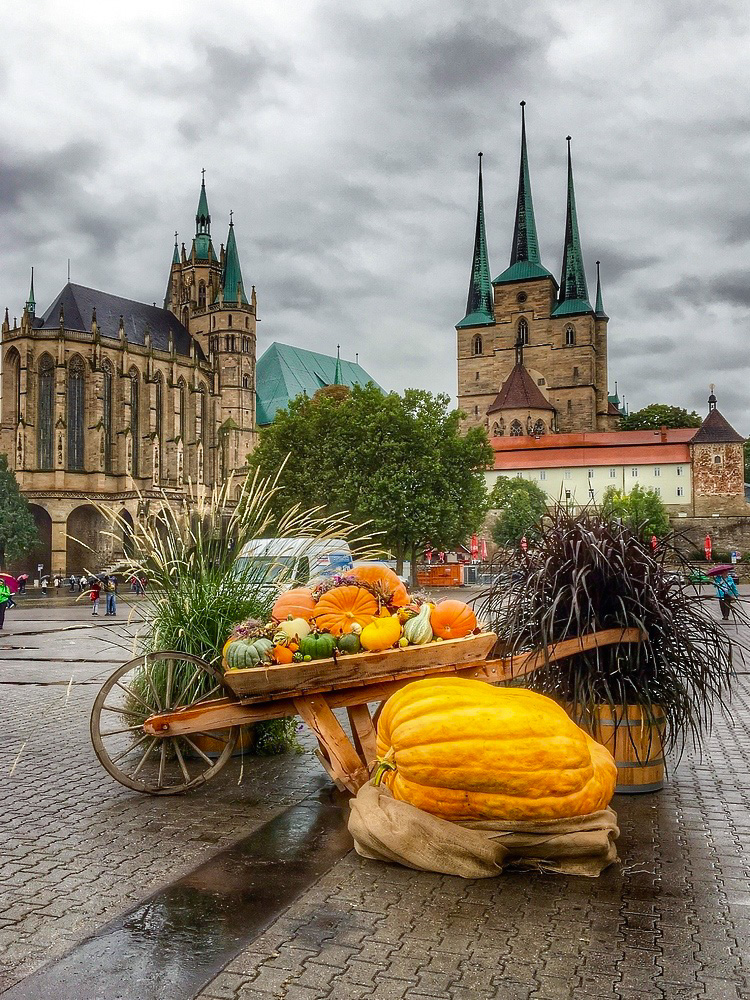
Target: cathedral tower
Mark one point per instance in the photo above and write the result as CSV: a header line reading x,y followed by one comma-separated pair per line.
x,y
564,338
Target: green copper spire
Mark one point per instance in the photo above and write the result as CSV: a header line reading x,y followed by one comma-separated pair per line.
x,y
479,310
525,261
599,307
338,378
203,216
231,279
176,254
31,302
574,295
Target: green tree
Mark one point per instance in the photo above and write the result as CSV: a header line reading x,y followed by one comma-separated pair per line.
x,y
641,510
18,534
746,452
521,505
399,462
657,415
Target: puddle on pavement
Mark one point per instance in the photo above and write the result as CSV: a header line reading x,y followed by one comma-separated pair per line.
x,y
175,942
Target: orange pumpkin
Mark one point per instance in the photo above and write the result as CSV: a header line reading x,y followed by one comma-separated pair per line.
x,y
384,582
342,607
452,619
297,603
282,654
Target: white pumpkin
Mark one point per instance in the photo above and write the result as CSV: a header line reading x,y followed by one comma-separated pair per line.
x,y
293,629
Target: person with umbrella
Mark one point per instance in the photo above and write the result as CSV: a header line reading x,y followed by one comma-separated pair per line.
x,y
4,600
726,588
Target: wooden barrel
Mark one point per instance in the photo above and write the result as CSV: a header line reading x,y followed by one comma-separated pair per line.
x,y
634,742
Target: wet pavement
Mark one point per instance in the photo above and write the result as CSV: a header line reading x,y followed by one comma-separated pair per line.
x,y
85,860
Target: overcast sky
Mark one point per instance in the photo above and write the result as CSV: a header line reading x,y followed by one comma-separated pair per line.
x,y
344,137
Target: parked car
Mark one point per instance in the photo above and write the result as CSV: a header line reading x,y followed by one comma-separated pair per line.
x,y
293,562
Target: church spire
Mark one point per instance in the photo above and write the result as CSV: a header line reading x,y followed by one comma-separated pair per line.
x,y
525,242
203,216
338,378
479,310
231,279
31,302
599,307
176,254
574,295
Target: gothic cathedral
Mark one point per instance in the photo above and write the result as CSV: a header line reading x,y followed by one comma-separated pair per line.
x,y
532,354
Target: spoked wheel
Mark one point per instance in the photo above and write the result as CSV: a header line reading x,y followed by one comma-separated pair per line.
x,y
145,686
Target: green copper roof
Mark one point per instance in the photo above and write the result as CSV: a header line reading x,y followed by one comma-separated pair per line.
x,y
599,307
285,372
574,295
203,216
479,311
31,301
231,279
522,270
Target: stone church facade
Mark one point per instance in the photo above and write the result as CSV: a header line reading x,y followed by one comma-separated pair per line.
x,y
112,399
525,317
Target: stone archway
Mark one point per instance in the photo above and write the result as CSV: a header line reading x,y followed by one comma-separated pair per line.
x,y
88,548
41,553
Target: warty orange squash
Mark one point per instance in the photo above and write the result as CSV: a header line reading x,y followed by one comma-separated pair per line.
x,y
464,750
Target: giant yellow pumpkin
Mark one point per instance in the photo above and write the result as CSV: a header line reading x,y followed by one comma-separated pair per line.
x,y
465,750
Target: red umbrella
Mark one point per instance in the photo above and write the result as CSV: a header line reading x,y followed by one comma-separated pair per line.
x,y
716,570
483,549
474,547
10,581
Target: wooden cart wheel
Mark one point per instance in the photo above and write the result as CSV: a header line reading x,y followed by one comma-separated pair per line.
x,y
157,682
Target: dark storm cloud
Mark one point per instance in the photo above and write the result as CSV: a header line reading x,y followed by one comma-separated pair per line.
x,y
469,55
47,173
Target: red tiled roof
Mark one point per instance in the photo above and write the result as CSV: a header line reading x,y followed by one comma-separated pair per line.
x,y
555,458
596,439
520,392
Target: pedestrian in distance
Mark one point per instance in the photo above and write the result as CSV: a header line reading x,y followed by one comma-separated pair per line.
x,y
111,590
726,591
96,592
4,599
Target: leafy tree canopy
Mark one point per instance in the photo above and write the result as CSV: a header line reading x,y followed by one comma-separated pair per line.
x,y
641,510
399,462
18,534
521,505
657,415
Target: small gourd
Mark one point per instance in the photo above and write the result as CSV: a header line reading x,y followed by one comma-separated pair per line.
x,y
381,634
349,643
291,629
418,629
282,654
317,645
243,653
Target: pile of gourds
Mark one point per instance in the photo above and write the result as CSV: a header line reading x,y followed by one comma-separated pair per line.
x,y
368,610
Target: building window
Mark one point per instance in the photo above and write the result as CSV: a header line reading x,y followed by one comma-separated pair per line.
x,y
657,471
159,407
181,405
46,411
567,474
213,322
539,428
75,413
476,346
107,414
679,470
13,366
634,473
523,332
657,490
521,297
613,473
247,322
717,459
540,381
515,429
229,320
570,336
680,491
575,373
476,377
542,474
134,420
591,473
245,381
570,406
202,295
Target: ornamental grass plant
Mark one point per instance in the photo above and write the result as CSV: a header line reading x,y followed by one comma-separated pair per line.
x,y
587,572
196,590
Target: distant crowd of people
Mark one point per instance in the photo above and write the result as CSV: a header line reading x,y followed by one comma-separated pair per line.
x,y
103,585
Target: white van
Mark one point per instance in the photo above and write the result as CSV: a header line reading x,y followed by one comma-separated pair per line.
x,y
293,562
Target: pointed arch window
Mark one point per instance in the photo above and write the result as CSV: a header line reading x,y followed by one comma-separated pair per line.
x,y
159,407
202,295
523,332
46,411
570,336
107,414
539,428
477,345
75,415
182,409
134,421
516,430
13,387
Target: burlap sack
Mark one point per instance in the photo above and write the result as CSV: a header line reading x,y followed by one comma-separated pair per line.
x,y
386,829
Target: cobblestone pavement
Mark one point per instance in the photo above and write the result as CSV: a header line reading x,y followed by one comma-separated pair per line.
x,y
76,848
673,920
